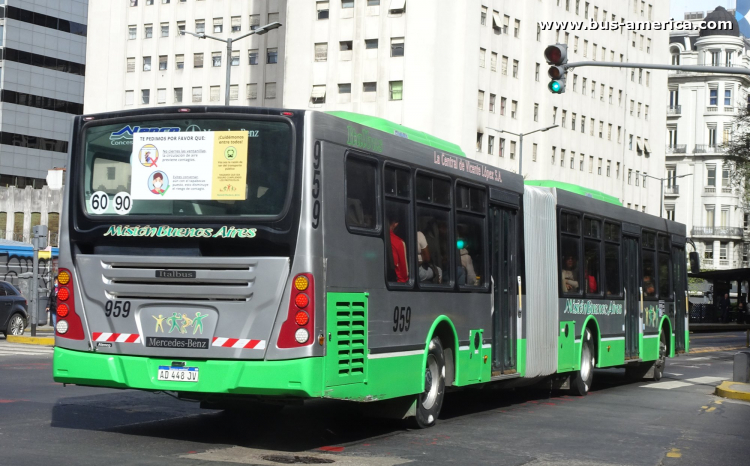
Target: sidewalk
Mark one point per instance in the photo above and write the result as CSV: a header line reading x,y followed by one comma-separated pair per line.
x,y
734,390
45,336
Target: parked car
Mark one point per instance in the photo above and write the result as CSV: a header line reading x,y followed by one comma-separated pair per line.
x,y
14,310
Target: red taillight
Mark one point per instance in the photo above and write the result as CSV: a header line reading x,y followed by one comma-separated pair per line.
x,y
299,328
67,321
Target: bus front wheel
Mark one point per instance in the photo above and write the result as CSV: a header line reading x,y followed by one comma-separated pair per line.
x,y
581,382
430,401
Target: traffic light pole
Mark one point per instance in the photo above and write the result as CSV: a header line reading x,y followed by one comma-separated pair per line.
x,y
651,66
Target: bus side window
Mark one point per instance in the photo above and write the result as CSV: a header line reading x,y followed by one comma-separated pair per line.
x,y
570,253
434,249
397,185
361,194
612,259
470,227
665,282
592,256
649,269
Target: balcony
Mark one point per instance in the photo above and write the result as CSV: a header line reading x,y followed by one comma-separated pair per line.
x,y
730,109
727,190
707,149
722,232
677,149
674,110
712,109
672,190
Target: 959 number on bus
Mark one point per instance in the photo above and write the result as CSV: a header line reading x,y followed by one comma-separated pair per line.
x,y
117,308
401,319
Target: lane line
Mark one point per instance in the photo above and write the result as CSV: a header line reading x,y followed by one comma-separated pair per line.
x,y
667,385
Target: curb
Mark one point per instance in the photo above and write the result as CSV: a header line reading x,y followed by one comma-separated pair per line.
x,y
725,390
43,341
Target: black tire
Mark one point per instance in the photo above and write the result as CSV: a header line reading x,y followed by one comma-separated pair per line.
x,y
661,363
16,325
430,401
581,381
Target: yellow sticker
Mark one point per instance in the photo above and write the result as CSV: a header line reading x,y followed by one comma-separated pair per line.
x,y
230,165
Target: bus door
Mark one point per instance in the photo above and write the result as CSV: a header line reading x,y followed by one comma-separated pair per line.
x,y
679,281
631,272
505,288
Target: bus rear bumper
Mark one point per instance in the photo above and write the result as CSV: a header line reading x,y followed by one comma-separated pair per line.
x,y
295,377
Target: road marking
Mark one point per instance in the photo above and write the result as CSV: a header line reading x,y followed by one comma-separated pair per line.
x,y
255,456
674,453
707,379
668,385
672,374
711,349
712,408
11,349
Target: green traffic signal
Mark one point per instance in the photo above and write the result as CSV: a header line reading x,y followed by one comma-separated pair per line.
x,y
555,87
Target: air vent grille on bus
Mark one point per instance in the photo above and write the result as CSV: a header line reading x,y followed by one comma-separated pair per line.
x,y
348,324
195,279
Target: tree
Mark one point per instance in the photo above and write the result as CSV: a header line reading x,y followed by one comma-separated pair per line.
x,y
737,151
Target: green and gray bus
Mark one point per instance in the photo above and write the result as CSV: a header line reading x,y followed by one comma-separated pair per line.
x,y
251,255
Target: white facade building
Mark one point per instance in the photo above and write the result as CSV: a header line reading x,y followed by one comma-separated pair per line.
x,y
701,108
43,45
452,69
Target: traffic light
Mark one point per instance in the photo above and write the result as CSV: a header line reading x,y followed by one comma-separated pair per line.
x,y
557,56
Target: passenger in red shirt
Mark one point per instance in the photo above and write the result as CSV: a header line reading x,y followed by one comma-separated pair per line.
x,y
398,248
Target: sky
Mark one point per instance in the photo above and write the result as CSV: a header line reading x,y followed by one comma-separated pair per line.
x,y
679,7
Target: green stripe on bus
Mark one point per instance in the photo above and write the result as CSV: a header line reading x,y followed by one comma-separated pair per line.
x,y
575,189
392,128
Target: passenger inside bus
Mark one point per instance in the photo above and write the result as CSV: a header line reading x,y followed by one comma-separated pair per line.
x,y
649,287
569,274
399,266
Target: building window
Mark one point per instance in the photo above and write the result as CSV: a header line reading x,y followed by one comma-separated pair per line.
x,y
397,46
146,63
536,112
512,150
322,8
345,88
554,150
252,56
129,97
148,31
218,25
503,102
492,103
480,100
162,62
515,68
318,96
145,96
630,176
236,24
709,215
235,58
161,96
197,94
270,90
177,95
215,59
179,62
215,94
180,28
708,251
493,61
200,26
255,22
130,65
483,16
252,91
132,32
370,87
502,147
713,97
482,53
728,97
165,29
272,55
536,74
321,52
516,28
479,141
533,152
490,144
711,175
371,44
599,167
396,90
513,109
273,18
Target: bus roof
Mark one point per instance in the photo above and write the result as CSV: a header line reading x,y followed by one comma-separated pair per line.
x,y
390,127
575,189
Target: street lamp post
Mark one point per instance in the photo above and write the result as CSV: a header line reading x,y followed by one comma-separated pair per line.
x,y
520,142
661,200
229,41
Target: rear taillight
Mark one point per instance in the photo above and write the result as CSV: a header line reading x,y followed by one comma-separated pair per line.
x,y
68,322
299,326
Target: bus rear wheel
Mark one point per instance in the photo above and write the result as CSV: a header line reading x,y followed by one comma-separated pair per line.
x,y
430,401
581,382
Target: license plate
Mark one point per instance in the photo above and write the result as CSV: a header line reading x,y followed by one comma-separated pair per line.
x,y
178,374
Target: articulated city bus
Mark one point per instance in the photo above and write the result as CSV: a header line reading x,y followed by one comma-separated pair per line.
x,y
245,254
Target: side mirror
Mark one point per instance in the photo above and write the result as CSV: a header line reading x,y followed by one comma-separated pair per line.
x,y
695,262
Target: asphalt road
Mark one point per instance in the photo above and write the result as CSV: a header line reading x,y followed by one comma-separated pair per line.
x,y
677,421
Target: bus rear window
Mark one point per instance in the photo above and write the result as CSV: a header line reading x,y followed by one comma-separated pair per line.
x,y
187,167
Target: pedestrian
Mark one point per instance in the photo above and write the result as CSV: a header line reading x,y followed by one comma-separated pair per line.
x,y
52,304
742,317
724,308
